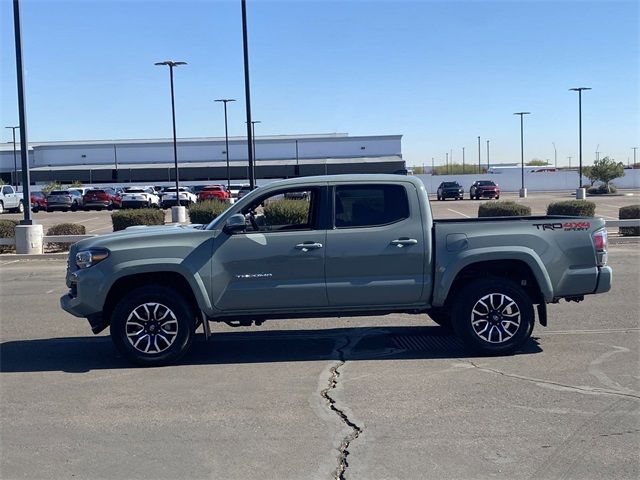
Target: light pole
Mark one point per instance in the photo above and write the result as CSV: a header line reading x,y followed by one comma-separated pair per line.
x,y
569,161
580,192
523,191
634,155
253,148
463,160
226,138
446,161
15,160
247,94
555,154
179,213
478,155
488,166
297,171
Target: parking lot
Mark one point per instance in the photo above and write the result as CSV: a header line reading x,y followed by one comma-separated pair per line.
x,y
256,402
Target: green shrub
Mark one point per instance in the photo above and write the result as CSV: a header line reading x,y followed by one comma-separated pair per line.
x,y
7,230
577,208
602,189
503,209
205,212
144,216
629,212
66,229
286,212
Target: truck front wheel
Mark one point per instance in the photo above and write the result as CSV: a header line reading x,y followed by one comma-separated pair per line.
x,y
153,325
493,317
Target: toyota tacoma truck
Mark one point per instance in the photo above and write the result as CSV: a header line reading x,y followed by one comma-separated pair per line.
x,y
333,246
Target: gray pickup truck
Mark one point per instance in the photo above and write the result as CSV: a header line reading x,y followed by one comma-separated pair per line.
x,y
333,246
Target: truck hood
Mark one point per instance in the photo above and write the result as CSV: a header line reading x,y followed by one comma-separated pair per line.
x,y
141,235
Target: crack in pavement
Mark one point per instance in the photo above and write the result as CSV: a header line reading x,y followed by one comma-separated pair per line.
x,y
343,464
579,389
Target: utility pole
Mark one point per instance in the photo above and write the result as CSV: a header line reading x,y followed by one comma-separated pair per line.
x,y
488,166
447,161
463,160
634,154
478,155
555,154
580,192
569,161
523,191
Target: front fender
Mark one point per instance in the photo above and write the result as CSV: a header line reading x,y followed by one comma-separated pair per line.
x,y
446,274
160,265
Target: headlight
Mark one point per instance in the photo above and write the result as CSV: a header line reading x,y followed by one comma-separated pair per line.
x,y
88,258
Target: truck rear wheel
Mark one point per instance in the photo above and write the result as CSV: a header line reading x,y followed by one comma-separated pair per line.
x,y
153,325
493,316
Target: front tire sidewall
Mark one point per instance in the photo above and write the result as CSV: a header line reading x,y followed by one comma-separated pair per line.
x,y
169,297
462,314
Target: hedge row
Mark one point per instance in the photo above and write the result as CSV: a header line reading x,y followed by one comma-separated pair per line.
x,y
503,209
574,208
144,216
286,212
66,229
7,230
205,212
629,212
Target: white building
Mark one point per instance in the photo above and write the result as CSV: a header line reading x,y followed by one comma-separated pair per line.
x,y
205,158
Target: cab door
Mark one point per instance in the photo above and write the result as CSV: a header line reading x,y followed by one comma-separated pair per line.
x,y
375,251
278,262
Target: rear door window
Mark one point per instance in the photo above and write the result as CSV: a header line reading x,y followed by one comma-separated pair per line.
x,y
357,206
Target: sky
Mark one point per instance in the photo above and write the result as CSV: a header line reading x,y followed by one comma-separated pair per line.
x,y
440,73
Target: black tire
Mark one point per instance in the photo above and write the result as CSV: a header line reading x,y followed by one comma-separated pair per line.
x,y
1,207
35,209
177,324
509,316
74,207
497,197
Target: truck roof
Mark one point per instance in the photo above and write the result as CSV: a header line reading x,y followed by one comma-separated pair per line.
x,y
353,177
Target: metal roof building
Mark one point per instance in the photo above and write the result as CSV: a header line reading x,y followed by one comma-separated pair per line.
x,y
204,159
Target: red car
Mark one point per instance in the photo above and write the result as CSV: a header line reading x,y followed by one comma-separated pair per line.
x,y
100,198
484,189
214,192
38,201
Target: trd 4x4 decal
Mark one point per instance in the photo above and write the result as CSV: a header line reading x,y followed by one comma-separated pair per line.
x,y
567,226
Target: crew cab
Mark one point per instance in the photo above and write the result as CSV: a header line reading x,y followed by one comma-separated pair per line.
x,y
358,245
10,200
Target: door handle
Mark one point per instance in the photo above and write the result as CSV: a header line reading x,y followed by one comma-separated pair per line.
x,y
306,246
401,242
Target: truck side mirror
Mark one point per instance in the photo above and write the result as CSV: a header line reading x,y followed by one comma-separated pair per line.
x,y
236,223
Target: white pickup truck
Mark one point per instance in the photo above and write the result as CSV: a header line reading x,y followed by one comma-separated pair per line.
x,y
10,200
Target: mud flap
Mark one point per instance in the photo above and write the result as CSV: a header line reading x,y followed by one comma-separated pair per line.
x,y
542,313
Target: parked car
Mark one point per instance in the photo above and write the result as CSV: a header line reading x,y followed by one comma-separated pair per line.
x,y
38,201
484,189
364,244
214,192
450,190
64,200
100,198
234,188
140,197
10,199
186,197
244,190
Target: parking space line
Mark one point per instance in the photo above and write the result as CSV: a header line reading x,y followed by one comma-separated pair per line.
x,y
7,263
459,213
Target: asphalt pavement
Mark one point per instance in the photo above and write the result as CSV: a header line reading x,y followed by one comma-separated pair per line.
x,y
392,397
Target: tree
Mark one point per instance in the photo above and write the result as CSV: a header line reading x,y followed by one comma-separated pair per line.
x,y
605,170
537,163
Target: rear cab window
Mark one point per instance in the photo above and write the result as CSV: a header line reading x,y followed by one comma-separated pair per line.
x,y
358,206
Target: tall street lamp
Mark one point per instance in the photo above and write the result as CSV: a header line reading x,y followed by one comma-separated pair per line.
x,y
178,214
555,154
463,160
580,192
15,160
634,155
226,138
488,166
523,191
247,94
479,155
253,147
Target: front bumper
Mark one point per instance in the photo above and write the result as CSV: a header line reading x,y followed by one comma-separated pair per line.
x,y
487,193
451,195
97,204
134,204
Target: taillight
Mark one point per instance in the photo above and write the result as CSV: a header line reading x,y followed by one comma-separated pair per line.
x,y
600,243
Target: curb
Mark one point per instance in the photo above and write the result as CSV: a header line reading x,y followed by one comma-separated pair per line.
x,y
41,256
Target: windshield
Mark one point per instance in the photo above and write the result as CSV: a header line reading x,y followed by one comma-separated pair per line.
x,y
135,190
486,183
450,184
